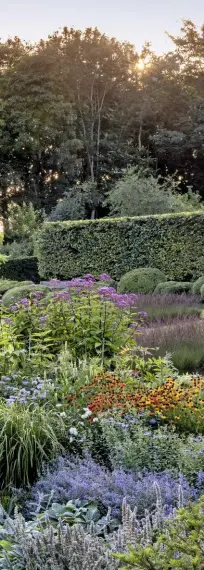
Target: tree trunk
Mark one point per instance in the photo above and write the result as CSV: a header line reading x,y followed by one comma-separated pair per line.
x,y
140,138
3,208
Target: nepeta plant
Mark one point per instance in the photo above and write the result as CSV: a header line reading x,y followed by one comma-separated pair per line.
x,y
72,478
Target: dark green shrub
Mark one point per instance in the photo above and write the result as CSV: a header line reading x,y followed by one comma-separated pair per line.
x,y
171,242
6,284
20,269
17,293
141,280
168,287
196,287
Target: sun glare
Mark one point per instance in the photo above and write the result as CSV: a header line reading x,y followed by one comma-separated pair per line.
x,y
140,64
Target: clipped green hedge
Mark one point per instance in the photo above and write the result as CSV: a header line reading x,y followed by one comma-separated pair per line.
x,y
15,295
196,287
141,280
169,287
6,284
20,269
202,292
174,243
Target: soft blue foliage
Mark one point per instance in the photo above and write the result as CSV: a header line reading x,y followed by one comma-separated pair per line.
x,y
72,478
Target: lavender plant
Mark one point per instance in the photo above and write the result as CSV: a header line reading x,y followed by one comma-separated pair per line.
x,y
74,477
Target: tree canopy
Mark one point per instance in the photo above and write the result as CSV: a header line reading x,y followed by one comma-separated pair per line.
x,y
77,109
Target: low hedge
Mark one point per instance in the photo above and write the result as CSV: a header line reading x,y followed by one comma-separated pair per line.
x,y
20,269
196,287
16,294
6,284
202,292
173,243
142,280
169,287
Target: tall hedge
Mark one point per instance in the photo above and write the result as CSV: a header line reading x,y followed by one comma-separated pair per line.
x,y
20,269
173,243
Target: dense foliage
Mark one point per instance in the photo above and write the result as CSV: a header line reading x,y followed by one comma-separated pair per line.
x,y
169,287
77,108
171,243
20,269
141,193
100,440
141,280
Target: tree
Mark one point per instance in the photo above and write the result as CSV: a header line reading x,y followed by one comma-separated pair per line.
x,y
139,193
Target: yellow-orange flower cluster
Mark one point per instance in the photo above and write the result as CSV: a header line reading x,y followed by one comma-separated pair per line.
x,y
168,401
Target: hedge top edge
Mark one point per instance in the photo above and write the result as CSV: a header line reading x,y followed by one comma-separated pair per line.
x,y
73,223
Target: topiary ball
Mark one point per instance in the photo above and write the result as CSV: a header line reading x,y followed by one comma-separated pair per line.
x,y
202,292
15,295
6,284
141,280
196,287
169,287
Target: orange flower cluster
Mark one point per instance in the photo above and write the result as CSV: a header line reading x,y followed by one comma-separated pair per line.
x,y
108,392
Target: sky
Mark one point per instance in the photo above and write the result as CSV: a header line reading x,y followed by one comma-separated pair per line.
x,y
131,20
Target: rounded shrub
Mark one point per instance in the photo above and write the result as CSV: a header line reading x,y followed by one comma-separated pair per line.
x,y
202,292
196,287
169,287
15,295
141,280
6,284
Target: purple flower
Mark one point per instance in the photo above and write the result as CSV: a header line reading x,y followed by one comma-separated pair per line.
x,y
42,319
105,277
142,313
152,421
106,291
63,296
38,294
89,276
13,308
72,478
24,302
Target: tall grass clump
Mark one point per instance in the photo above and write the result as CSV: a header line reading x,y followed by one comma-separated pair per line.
x,y
183,338
164,308
27,438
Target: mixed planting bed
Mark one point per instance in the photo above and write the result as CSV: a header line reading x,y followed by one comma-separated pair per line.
x,y
101,435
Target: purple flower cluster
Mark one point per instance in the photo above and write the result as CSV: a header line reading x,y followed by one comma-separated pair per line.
x,y
72,478
29,391
105,277
77,283
62,296
120,300
88,282
24,302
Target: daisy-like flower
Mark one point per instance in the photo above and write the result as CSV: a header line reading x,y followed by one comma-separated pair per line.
x,y
87,413
73,431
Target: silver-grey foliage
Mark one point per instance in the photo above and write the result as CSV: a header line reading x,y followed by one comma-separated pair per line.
x,y
75,548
